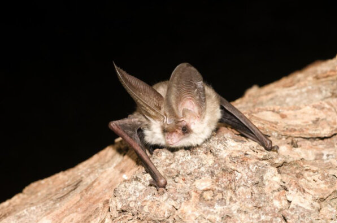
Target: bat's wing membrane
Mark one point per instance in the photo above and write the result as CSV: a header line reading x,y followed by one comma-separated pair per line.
x,y
233,117
127,129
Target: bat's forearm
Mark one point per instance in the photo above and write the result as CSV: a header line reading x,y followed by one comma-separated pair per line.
x,y
127,129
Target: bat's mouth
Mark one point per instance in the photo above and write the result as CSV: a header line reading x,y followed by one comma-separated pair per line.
x,y
172,144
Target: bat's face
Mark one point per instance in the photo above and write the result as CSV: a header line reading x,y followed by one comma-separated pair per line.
x,y
188,126
176,133
183,128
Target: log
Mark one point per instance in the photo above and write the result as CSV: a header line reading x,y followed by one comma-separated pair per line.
x,y
226,179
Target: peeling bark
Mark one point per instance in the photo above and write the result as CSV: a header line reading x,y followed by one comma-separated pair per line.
x,y
227,179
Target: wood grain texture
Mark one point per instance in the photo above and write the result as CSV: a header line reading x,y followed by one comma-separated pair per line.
x,y
80,194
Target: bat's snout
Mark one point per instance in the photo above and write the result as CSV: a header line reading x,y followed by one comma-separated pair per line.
x,y
172,138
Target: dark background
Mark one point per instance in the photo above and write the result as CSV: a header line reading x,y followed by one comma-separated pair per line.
x,y
60,90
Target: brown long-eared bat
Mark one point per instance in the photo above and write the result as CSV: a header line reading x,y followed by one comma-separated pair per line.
x,y
180,112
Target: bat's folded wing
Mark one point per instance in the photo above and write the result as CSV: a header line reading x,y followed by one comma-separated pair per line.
x,y
234,118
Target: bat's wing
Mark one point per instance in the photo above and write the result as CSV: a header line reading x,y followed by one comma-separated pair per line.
x,y
233,117
127,129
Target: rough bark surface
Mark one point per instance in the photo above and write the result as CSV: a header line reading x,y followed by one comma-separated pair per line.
x,y
227,179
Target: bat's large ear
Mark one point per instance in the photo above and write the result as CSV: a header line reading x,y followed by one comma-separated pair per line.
x,y
185,93
149,101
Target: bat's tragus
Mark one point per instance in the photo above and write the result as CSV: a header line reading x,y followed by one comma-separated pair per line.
x,y
180,112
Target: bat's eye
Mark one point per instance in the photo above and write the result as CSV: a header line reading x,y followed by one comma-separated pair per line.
x,y
184,129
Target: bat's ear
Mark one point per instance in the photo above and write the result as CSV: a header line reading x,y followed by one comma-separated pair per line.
x,y
185,93
149,101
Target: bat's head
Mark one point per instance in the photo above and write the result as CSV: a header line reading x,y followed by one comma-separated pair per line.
x,y
193,120
191,108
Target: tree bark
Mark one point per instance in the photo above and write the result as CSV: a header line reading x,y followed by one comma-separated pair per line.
x,y
226,179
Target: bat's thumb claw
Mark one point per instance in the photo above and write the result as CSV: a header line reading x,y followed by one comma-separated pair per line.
x,y
274,148
161,183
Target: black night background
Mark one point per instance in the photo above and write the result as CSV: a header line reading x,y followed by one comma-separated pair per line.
x,y
59,89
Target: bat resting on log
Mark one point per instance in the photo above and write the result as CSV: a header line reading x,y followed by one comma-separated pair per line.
x,y
180,112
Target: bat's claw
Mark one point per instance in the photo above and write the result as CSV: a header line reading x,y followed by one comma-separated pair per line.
x,y
273,149
160,184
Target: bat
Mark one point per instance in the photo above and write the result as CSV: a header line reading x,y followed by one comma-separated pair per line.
x,y
180,112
